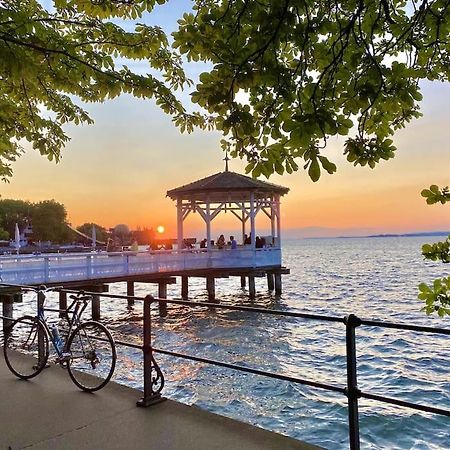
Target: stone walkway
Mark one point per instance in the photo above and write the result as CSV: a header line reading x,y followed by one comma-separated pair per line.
x,y
49,412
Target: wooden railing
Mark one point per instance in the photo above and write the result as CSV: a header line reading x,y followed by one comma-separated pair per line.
x,y
61,267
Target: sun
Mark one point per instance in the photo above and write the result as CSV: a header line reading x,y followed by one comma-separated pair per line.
x,y
160,229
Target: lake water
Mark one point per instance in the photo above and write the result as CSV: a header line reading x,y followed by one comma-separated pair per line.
x,y
372,277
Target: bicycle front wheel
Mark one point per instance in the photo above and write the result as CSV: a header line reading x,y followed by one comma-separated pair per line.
x,y
26,347
92,356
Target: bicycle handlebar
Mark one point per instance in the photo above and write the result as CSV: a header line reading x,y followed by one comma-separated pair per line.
x,y
81,296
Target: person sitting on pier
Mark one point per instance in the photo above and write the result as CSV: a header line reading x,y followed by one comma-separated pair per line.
x,y
247,239
233,243
258,242
221,242
203,243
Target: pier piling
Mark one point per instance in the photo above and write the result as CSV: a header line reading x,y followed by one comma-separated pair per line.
x,y
130,292
96,298
270,282
162,293
62,304
7,311
184,287
243,282
95,307
278,283
211,288
251,286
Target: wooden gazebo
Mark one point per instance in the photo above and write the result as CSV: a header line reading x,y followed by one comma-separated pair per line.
x,y
245,198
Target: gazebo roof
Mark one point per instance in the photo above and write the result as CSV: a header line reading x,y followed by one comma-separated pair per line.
x,y
225,185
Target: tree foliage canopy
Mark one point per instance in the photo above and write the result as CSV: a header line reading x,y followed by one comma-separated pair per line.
x,y
437,295
285,75
48,218
76,49
289,74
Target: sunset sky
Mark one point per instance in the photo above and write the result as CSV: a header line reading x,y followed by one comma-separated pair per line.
x,y
118,171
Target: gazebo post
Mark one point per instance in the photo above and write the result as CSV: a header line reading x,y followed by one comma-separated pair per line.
x,y
243,226
180,223
277,199
252,219
208,224
272,219
243,220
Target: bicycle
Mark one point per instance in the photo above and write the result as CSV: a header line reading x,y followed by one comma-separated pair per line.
x,y
88,351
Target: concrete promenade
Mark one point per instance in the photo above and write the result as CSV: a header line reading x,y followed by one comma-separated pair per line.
x,y
49,412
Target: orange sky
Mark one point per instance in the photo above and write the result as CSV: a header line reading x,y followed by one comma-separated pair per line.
x,y
118,170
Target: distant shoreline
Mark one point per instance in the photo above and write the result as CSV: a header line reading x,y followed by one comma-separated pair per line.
x,y
423,234
387,235
381,235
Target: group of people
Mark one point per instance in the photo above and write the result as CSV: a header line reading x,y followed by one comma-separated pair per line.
x,y
260,242
220,243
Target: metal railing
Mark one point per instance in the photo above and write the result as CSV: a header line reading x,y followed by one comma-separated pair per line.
x,y
154,378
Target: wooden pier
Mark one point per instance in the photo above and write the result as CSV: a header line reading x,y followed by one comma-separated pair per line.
x,y
94,272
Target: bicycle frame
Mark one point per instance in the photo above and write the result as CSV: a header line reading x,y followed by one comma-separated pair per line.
x,y
76,309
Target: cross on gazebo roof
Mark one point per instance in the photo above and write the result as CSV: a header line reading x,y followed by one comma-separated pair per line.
x,y
226,159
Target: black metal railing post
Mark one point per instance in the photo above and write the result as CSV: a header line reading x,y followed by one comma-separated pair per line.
x,y
353,393
153,383
40,329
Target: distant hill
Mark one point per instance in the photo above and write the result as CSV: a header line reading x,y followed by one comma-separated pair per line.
x,y
422,234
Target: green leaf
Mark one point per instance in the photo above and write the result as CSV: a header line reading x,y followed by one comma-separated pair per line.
x,y
314,170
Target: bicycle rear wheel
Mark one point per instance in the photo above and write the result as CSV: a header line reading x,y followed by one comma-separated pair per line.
x,y
21,348
92,356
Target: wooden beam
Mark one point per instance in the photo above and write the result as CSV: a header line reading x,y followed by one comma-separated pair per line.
x,y
201,212
217,210
185,214
266,213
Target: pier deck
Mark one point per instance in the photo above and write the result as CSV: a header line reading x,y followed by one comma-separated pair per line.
x,y
48,412
70,267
